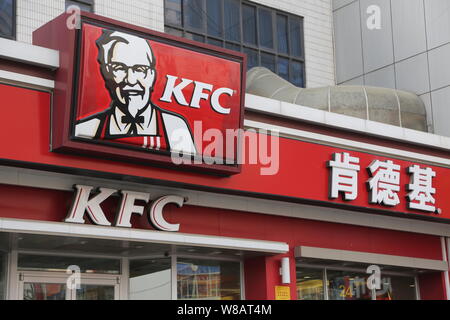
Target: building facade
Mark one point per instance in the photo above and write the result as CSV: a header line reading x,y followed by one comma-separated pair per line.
x,y
322,206
404,48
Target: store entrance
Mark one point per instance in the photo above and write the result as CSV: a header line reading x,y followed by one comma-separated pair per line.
x,y
51,286
41,267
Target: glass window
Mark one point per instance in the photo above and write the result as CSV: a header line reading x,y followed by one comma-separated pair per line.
x,y
283,68
215,42
270,38
297,73
249,24
397,288
232,18
194,37
172,12
252,58
320,283
3,270
84,5
265,28
268,61
348,285
95,292
44,291
214,17
296,37
310,284
173,31
29,262
193,14
206,279
282,34
7,18
150,279
232,46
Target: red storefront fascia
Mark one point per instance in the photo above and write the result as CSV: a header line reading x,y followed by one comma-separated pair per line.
x,y
303,179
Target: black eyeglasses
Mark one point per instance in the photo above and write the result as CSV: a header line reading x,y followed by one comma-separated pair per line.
x,y
121,70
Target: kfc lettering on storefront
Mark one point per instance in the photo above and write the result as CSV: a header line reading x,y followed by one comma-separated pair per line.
x,y
130,94
87,205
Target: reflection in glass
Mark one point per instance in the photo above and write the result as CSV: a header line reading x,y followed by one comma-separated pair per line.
x,y
150,279
348,285
194,37
215,42
173,31
310,284
95,292
268,61
172,12
193,14
297,74
208,280
252,58
397,288
249,24
233,46
29,262
44,291
6,18
265,28
214,17
283,68
296,37
282,34
232,21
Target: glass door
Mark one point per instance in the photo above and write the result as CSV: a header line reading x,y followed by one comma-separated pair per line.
x,y
50,286
43,288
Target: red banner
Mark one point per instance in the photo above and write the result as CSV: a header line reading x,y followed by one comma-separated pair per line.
x,y
303,175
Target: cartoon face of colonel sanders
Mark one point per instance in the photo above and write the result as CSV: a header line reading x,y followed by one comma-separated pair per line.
x,y
128,67
127,64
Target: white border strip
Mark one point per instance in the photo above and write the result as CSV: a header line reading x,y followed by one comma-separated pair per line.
x,y
370,258
22,78
111,233
330,119
30,54
348,144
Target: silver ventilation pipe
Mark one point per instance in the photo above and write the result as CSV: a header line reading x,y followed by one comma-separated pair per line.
x,y
389,106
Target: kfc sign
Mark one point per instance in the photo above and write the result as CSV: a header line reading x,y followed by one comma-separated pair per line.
x,y
86,206
384,184
136,95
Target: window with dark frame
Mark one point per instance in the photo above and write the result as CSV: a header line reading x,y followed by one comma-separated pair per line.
x,y
8,19
270,38
85,5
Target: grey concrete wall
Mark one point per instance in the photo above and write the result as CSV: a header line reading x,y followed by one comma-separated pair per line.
x,y
410,51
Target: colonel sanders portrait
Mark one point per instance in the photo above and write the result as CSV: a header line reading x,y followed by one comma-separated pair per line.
x,y
127,65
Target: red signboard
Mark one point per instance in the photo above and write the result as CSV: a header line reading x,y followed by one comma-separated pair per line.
x,y
304,169
128,93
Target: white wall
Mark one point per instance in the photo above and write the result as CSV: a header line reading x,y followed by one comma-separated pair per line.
x,y
144,13
31,14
